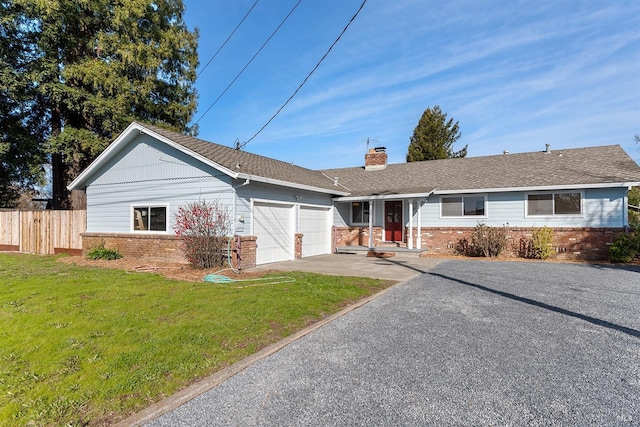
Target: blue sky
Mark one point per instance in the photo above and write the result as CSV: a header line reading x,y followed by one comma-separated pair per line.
x,y
516,75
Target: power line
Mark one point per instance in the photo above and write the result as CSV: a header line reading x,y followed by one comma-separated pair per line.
x,y
230,35
248,63
306,78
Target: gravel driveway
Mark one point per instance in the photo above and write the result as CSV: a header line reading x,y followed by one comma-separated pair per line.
x,y
468,343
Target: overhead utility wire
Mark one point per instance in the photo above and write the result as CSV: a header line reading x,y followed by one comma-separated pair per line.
x,y
230,35
250,61
305,80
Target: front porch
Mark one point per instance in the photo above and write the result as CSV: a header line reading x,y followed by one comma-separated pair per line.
x,y
378,250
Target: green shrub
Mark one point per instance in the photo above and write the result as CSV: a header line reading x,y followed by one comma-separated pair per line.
x,y
625,248
100,252
485,241
540,246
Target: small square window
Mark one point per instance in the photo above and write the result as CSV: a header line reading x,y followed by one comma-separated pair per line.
x,y
360,212
150,218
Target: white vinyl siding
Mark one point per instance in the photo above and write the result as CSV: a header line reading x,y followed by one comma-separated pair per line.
x,y
149,173
601,208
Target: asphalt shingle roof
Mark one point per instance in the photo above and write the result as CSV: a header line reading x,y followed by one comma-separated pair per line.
x,y
576,166
251,164
562,167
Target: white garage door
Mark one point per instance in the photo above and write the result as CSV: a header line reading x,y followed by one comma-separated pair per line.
x,y
315,226
273,226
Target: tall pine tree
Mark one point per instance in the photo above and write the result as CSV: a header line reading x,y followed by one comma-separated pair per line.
x,y
433,137
97,65
21,153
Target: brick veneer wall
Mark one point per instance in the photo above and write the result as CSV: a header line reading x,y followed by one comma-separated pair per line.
x,y
162,248
569,243
298,246
247,252
355,236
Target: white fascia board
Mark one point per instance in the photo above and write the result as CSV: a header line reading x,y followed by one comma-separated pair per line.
x,y
384,197
129,134
289,184
538,188
125,137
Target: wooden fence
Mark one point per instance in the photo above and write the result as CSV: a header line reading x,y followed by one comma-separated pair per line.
x,y
42,232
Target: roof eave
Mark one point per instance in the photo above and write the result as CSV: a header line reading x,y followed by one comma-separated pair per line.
x,y
423,195
538,188
295,185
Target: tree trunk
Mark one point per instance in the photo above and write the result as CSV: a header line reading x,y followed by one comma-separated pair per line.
x,y
58,168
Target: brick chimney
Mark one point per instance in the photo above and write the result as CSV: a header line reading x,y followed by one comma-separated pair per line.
x,y
375,159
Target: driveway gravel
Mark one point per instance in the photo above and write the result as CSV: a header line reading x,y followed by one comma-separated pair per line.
x,y
467,343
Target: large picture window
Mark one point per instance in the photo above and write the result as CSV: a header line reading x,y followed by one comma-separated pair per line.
x,y
360,212
547,204
150,218
459,206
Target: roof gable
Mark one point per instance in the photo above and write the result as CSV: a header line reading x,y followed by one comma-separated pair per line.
x,y
235,163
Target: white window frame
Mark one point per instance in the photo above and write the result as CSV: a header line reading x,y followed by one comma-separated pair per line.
x,y
351,212
149,206
553,204
462,215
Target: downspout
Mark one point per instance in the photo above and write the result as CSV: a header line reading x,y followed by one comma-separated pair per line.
x,y
235,220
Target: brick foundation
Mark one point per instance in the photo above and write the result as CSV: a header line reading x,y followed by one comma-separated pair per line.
x,y
298,246
355,236
569,243
163,248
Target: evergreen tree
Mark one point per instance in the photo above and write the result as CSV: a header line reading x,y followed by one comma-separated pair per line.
x,y
433,137
21,154
97,65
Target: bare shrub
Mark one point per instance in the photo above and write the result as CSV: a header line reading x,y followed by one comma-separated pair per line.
x,y
205,228
485,241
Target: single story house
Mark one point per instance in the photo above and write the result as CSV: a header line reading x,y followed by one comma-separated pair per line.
x,y
281,211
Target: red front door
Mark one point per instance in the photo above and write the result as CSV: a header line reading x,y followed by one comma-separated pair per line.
x,y
393,221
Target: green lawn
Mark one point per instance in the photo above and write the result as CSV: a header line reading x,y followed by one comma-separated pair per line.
x,y
88,346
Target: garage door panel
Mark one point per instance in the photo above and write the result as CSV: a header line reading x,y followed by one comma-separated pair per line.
x,y
272,225
315,226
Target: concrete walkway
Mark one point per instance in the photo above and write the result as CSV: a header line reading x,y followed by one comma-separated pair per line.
x,y
400,267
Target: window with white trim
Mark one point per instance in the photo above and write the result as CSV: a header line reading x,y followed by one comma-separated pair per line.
x,y
360,212
149,218
548,204
460,206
